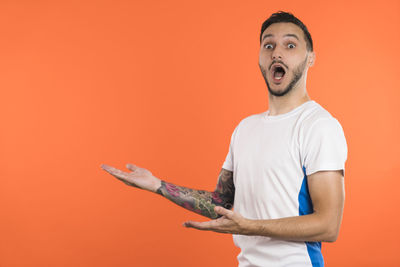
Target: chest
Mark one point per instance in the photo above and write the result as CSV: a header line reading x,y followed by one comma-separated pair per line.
x,y
267,145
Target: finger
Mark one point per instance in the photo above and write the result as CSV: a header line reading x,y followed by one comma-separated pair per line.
x,y
198,225
212,225
103,166
224,212
114,171
109,169
131,167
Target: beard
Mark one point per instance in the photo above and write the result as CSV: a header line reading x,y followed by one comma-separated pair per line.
x,y
297,73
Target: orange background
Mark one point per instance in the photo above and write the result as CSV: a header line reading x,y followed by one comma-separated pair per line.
x,y
162,84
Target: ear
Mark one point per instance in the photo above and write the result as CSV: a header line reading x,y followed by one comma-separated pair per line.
x,y
311,58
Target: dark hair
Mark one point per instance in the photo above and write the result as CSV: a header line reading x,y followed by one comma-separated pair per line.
x,y
282,16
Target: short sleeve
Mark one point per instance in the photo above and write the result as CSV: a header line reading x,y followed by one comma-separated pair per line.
x,y
324,146
228,163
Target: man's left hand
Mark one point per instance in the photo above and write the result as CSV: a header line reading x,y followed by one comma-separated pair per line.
x,y
231,222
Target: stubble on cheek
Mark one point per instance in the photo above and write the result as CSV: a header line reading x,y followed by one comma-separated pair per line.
x,y
264,73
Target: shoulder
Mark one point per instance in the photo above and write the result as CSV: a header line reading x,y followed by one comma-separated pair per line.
x,y
319,128
315,117
251,120
246,124
314,113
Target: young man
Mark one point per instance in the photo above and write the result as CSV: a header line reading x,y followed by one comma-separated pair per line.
x,y
284,170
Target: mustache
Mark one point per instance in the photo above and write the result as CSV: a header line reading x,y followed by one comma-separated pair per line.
x,y
277,61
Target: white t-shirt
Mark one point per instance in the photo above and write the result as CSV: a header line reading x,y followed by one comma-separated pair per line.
x,y
270,157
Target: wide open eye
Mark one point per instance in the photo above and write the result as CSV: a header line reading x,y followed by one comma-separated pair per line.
x,y
291,45
268,46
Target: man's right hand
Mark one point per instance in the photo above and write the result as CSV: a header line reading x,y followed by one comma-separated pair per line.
x,y
139,177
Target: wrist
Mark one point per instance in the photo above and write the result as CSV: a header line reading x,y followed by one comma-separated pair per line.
x,y
157,185
249,227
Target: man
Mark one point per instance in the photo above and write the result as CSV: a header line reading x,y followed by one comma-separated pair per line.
x,y
284,170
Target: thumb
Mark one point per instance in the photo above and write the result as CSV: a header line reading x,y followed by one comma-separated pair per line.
x,y
131,167
224,212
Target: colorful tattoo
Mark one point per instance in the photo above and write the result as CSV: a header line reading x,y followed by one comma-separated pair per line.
x,y
200,201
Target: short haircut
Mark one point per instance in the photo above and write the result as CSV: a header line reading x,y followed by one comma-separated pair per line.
x,y
282,16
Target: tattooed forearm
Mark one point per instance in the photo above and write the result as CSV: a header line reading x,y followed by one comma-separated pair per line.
x,y
200,201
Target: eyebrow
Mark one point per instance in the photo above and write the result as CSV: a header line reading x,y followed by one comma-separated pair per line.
x,y
286,35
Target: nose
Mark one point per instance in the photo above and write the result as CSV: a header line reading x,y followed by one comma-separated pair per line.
x,y
276,53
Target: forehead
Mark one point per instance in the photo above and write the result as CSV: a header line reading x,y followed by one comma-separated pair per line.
x,y
282,29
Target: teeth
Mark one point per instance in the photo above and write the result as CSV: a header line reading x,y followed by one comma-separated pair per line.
x,y
278,78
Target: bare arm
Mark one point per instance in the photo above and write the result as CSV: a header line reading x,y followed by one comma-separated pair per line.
x,y
327,194
199,201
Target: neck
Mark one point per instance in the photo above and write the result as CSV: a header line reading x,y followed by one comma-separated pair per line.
x,y
283,104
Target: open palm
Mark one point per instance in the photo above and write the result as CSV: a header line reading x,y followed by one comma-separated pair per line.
x,y
138,177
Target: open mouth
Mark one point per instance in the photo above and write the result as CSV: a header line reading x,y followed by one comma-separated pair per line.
x,y
278,72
